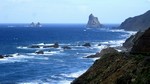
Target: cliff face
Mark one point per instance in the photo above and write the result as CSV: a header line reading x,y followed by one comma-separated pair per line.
x,y
121,68
117,68
128,44
141,22
93,22
142,45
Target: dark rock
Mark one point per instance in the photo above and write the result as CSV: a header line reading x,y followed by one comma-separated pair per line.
x,y
35,25
47,46
1,56
34,46
94,56
8,56
141,22
93,22
142,45
103,52
39,52
128,44
32,24
87,45
66,47
56,45
38,25
99,44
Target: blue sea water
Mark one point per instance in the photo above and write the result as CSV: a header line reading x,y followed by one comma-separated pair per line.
x,y
58,66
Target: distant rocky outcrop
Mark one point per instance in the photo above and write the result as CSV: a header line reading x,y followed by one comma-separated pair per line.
x,y
35,25
103,52
93,22
142,45
141,22
87,45
38,24
32,24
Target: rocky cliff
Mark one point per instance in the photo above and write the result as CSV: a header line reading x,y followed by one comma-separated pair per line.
x,y
121,67
93,22
142,45
128,44
141,22
117,68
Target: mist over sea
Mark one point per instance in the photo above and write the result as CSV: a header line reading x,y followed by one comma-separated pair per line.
x,y
56,65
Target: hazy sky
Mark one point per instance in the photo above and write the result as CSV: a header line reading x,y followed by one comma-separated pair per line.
x,y
70,11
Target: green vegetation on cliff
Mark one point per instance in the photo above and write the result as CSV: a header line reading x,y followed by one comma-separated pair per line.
x,y
117,68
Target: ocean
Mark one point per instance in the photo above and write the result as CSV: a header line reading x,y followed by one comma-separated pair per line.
x,y
56,65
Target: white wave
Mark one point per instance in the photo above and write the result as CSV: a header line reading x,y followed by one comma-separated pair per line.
x,y
114,43
49,82
87,54
16,58
117,30
64,82
40,44
131,32
94,59
75,74
20,47
35,82
46,53
41,58
99,47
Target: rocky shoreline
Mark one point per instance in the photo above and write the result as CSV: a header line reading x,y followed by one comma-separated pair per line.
x,y
131,66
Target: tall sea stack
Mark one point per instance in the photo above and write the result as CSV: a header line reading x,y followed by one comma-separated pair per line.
x,y
93,22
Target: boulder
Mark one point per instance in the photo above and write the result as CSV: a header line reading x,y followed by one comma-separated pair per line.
x,y
39,52
87,45
93,22
141,22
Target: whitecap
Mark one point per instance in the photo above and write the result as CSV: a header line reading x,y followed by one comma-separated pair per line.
x,y
20,47
64,82
46,53
75,74
16,58
117,30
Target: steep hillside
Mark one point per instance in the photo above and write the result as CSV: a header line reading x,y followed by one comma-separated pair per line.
x,y
141,22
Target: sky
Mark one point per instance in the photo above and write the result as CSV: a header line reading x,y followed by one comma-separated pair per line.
x,y
70,11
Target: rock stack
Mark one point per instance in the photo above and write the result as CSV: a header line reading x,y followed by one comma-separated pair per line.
x,y
93,22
